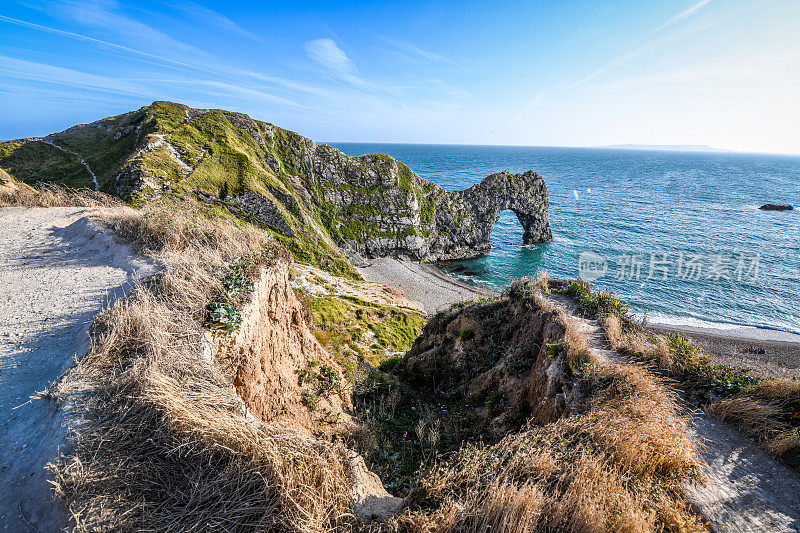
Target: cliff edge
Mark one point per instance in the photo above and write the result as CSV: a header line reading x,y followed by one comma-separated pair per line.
x,y
324,205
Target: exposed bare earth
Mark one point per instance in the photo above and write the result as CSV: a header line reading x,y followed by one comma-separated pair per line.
x,y
420,282
745,490
57,270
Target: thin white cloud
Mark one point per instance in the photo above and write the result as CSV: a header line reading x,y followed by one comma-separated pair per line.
x,y
203,77
210,17
536,100
86,38
685,14
411,51
104,14
40,72
327,54
163,61
655,44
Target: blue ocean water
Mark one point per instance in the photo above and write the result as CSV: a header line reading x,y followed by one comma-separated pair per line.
x,y
693,217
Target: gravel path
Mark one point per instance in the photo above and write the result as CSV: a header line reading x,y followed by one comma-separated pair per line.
x,y
745,490
57,270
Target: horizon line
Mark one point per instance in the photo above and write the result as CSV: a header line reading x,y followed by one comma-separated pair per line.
x,y
618,147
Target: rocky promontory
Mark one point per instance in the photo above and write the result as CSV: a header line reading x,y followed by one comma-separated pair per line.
x,y
325,205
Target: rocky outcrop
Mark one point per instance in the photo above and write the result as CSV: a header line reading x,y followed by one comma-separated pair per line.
x,y
465,220
322,199
507,358
376,206
272,347
268,356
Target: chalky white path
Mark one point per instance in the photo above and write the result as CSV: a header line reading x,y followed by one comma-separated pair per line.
x,y
57,270
744,490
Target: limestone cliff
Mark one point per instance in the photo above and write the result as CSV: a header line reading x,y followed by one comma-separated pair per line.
x,y
322,203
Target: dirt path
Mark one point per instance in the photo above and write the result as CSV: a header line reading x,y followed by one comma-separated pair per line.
x,y
745,489
57,270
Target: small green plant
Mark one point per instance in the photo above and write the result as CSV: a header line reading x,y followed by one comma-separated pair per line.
x,y
553,350
682,348
495,402
578,361
387,365
310,399
320,382
237,280
304,377
599,304
329,380
466,335
519,363
224,316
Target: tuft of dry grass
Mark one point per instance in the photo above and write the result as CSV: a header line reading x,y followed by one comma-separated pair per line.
x,y
769,413
765,410
167,444
13,193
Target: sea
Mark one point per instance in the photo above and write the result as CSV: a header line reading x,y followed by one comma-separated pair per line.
x,y
678,235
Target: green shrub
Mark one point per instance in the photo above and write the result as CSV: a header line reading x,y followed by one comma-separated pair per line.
x,y
387,365
225,316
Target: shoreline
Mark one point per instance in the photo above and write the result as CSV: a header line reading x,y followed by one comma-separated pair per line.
x,y
422,283
763,351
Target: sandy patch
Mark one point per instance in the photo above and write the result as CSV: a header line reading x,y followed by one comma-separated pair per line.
x,y
57,270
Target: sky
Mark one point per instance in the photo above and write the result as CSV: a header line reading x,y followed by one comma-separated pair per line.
x,y
723,73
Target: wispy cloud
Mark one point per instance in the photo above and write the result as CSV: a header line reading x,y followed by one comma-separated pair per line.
x,y
40,72
756,72
411,51
686,13
86,38
656,44
327,54
106,15
536,100
209,17
177,70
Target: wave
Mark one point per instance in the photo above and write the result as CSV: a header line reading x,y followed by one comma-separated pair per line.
x,y
661,319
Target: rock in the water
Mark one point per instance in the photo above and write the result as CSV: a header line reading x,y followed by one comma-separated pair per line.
x,y
775,207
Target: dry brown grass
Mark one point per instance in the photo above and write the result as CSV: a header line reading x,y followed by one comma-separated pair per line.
x,y
617,466
13,193
769,413
166,444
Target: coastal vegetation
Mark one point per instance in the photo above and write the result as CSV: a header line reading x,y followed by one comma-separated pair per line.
x,y
766,409
257,382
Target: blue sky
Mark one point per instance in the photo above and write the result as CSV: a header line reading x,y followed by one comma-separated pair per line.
x,y
557,73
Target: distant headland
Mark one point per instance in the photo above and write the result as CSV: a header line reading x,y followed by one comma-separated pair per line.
x,y
666,147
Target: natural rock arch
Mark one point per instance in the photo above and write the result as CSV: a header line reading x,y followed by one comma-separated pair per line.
x,y
477,210
376,206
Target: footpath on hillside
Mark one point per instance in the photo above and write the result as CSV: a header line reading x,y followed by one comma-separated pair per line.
x,y
57,270
744,490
